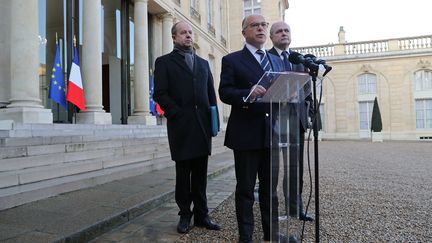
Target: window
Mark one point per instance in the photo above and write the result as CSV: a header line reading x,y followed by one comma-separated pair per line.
x,y
210,12
322,116
194,10
194,4
222,16
210,26
365,114
423,98
367,84
423,80
423,113
252,7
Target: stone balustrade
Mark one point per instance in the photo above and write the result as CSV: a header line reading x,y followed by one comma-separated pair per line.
x,y
368,47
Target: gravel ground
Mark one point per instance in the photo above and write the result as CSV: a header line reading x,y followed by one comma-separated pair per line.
x,y
369,192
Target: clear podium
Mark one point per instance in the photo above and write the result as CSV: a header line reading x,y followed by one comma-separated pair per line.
x,y
285,95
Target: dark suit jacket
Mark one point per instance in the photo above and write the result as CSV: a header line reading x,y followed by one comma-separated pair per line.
x,y
248,125
302,106
185,96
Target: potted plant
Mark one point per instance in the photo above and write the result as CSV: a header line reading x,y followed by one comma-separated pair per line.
x,y
376,123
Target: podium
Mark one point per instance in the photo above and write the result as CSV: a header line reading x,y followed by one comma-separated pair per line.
x,y
285,95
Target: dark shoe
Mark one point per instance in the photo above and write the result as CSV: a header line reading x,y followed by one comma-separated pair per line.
x,y
305,217
293,239
279,238
183,225
283,238
208,223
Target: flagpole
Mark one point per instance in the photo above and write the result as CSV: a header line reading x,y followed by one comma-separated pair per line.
x,y
58,105
74,106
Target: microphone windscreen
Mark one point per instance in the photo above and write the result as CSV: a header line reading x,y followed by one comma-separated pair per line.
x,y
295,57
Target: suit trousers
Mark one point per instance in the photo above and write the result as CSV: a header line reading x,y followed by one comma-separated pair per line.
x,y
249,164
293,169
191,186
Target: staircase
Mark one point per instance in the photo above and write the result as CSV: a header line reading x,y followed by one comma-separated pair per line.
x,y
43,160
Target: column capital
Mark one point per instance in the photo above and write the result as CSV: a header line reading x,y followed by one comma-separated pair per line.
x,y
141,1
165,16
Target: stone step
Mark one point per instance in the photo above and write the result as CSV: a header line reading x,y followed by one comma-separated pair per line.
x,y
17,158
81,215
53,130
21,194
48,170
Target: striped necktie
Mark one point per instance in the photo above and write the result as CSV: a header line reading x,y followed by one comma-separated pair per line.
x,y
264,61
287,64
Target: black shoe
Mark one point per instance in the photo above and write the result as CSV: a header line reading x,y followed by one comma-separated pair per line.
x,y
281,238
208,223
305,217
183,225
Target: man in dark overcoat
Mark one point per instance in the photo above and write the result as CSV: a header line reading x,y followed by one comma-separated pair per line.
x,y
183,87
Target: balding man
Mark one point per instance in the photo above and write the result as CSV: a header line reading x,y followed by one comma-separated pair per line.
x,y
184,89
280,35
248,128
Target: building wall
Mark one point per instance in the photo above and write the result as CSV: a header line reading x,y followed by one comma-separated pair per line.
x,y
394,68
272,10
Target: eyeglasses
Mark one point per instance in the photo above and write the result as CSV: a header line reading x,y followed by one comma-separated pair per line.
x,y
256,25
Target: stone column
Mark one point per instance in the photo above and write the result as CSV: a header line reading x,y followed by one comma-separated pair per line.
x,y
167,42
91,65
141,113
5,76
24,103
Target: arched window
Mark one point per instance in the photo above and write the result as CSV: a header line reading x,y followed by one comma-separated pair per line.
x,y
366,93
423,98
252,7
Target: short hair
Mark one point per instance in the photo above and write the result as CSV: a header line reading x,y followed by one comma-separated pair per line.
x,y
244,23
174,28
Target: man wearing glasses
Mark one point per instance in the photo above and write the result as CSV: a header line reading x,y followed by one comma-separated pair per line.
x,y
248,127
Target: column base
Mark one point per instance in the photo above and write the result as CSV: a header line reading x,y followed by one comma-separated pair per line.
x,y
27,115
100,118
142,119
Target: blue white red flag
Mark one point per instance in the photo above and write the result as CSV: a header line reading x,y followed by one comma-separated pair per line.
x,y
75,91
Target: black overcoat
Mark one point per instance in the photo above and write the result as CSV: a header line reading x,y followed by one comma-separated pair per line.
x,y
185,96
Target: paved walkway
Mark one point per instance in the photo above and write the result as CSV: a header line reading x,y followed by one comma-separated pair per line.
x,y
81,215
160,224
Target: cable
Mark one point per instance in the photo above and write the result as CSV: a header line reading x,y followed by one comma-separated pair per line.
x,y
314,119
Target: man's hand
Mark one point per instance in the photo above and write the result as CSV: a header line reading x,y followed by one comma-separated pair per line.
x,y
257,91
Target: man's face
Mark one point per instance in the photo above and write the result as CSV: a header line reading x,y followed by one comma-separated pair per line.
x,y
281,35
183,36
255,30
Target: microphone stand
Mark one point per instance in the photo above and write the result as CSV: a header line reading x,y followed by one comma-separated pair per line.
x,y
314,73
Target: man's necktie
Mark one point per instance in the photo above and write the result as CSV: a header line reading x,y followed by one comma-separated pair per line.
x,y
287,64
264,61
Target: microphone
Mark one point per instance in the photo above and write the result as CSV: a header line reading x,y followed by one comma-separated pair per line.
x,y
319,62
298,58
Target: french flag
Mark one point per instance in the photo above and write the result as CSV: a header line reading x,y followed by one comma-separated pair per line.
x,y
75,91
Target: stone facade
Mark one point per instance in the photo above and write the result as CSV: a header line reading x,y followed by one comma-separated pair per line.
x,y
394,63
217,26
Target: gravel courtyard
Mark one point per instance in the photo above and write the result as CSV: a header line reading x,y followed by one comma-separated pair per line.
x,y
369,192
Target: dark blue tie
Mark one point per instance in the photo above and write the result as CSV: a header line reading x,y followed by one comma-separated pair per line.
x,y
287,64
264,61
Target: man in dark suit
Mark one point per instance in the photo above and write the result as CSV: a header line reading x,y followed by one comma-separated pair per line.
x,y
184,89
297,114
248,128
